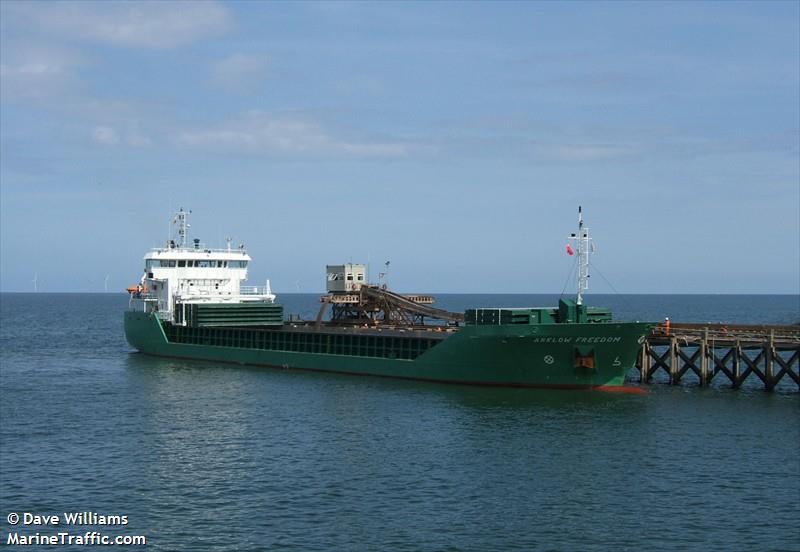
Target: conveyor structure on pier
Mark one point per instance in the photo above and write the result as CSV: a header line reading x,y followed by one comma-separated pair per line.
x,y
377,305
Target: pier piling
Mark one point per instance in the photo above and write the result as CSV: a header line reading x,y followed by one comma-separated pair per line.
x,y
714,351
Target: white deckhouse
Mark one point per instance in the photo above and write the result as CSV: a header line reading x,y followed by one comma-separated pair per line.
x,y
181,274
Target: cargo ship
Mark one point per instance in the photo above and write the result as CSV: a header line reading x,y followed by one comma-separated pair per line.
x,y
191,303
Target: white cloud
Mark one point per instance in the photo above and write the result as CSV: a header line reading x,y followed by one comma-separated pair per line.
x,y
360,84
137,140
239,72
109,136
105,135
259,132
29,69
136,24
36,71
585,152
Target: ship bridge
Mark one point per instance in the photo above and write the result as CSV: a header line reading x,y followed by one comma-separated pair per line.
x,y
184,273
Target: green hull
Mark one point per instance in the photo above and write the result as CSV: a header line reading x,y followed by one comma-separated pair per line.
x,y
547,355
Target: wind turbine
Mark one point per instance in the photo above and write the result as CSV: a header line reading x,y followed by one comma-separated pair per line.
x,y
105,283
35,282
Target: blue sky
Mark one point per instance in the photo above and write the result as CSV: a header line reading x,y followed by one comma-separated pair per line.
x,y
454,139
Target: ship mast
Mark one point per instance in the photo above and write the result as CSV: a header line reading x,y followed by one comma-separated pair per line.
x,y
182,221
583,248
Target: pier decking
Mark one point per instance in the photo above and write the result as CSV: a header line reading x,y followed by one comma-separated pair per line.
x,y
714,351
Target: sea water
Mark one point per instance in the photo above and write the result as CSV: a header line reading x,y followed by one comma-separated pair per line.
x,y
209,456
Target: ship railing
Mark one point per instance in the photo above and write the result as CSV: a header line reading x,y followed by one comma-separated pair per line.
x,y
200,249
254,290
139,300
150,303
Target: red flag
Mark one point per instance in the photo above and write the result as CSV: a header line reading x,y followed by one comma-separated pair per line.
x,y
570,251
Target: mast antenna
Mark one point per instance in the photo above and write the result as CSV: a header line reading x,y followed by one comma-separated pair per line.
x,y
182,221
583,248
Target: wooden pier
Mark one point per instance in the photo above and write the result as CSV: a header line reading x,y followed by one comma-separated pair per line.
x,y
718,351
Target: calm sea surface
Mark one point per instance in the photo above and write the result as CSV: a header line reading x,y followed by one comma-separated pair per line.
x,y
204,456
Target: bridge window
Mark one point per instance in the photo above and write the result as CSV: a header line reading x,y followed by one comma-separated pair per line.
x,y
181,264
158,263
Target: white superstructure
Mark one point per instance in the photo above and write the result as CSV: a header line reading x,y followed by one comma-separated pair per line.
x,y
182,273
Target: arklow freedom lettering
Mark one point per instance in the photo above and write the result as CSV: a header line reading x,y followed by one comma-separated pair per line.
x,y
586,339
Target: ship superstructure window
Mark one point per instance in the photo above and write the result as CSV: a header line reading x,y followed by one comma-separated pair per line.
x,y
157,263
192,263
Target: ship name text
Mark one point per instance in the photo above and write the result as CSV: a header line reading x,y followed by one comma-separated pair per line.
x,y
583,339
